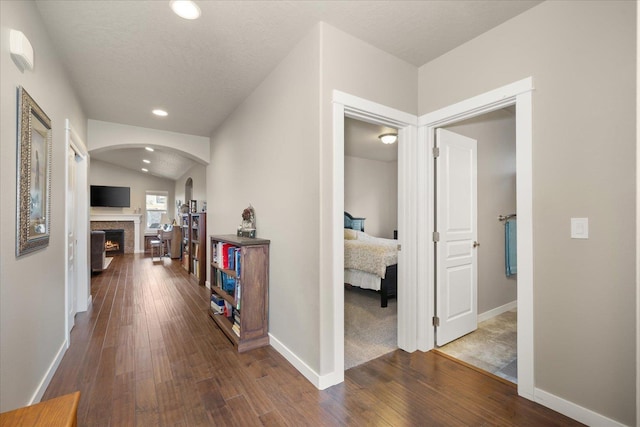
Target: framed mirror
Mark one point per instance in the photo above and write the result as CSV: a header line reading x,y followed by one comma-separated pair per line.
x,y
34,176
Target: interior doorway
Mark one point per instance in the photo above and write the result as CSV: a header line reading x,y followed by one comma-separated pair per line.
x,y
371,224
519,94
488,340
77,272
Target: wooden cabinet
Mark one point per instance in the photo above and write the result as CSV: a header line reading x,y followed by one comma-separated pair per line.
x,y
193,228
240,289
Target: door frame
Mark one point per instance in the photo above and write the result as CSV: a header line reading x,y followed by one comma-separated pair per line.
x,y
346,105
73,142
519,94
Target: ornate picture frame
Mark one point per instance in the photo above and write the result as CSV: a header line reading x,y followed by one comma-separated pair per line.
x,y
33,204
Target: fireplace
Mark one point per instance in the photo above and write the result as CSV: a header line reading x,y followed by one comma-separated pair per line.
x,y
114,242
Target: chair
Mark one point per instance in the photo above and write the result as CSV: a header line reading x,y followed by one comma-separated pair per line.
x,y
165,237
156,245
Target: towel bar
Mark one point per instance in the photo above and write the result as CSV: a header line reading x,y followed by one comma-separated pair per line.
x,y
506,217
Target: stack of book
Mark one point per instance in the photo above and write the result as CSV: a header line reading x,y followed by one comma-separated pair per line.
x,y
236,322
217,304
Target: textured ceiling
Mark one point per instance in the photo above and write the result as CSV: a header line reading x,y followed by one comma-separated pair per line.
x,y
126,58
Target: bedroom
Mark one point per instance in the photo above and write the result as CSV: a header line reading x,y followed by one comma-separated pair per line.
x,y
371,193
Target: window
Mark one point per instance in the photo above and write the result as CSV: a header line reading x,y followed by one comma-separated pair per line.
x,y
156,207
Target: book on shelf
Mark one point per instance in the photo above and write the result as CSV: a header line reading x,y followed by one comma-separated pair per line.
x,y
228,283
237,294
231,258
228,310
237,256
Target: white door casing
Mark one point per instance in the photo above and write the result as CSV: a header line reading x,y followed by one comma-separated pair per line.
x,y
71,240
457,225
518,93
76,234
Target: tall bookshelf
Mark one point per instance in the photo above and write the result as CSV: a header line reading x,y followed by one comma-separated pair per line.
x,y
240,289
194,244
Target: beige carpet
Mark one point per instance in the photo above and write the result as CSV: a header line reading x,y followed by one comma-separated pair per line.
x,y
492,347
370,331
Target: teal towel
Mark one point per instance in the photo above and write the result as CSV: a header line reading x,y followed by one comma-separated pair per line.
x,y
510,247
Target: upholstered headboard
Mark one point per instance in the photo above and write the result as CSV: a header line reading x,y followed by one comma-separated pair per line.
x,y
353,223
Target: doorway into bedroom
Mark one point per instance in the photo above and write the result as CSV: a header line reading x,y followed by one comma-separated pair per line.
x,y
371,223
489,336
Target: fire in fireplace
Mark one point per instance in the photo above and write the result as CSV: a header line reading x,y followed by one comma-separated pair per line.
x,y
114,242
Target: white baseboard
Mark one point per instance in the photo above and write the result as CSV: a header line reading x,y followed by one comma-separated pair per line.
x,y
321,382
570,409
497,311
42,387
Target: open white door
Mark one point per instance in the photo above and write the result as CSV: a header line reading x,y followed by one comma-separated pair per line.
x,y
456,223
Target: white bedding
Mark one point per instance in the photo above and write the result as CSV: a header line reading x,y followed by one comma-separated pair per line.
x,y
366,260
362,279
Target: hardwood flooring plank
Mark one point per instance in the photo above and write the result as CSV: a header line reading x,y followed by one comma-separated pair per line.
x,y
146,353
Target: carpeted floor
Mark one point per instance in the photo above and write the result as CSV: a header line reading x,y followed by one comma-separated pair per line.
x,y
492,347
369,330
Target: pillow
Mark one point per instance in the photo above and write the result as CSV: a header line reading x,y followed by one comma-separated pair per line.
x,y
350,234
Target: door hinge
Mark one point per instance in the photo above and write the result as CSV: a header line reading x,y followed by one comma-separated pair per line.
x,y
436,321
399,247
436,236
436,152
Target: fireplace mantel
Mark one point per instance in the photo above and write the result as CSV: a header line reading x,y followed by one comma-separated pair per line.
x,y
136,218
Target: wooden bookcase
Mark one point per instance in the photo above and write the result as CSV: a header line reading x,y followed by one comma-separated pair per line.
x,y
193,228
247,302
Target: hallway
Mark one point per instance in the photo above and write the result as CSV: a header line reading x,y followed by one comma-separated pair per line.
x,y
147,354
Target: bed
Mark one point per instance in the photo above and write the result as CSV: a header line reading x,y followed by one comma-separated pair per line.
x,y
369,262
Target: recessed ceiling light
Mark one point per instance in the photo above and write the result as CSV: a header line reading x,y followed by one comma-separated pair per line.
x,y
160,113
185,9
146,161
149,149
145,170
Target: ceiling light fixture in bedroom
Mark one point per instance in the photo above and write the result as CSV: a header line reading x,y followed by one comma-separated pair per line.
x,y
185,9
388,138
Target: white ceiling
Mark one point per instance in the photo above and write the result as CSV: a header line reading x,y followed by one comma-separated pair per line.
x,y
164,164
126,58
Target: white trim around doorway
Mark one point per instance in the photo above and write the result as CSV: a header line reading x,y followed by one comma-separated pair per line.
x,y
518,94
346,105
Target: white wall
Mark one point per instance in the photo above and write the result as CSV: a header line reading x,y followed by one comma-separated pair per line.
x,y
103,173
496,136
198,174
266,154
371,191
32,336
581,55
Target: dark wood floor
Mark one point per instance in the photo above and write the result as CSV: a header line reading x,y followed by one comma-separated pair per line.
x,y
147,354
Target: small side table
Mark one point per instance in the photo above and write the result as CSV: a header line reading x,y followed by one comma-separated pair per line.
x,y
60,411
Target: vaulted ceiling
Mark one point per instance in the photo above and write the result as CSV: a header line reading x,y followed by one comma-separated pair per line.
x,y
126,58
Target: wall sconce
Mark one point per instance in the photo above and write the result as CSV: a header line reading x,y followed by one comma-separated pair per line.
x,y
388,138
21,50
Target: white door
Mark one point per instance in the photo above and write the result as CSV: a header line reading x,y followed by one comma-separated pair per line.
x,y
456,223
71,241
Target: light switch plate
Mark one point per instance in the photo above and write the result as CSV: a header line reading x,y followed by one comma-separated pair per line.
x,y
579,228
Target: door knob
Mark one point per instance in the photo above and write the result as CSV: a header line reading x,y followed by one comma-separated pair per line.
x,y
476,244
